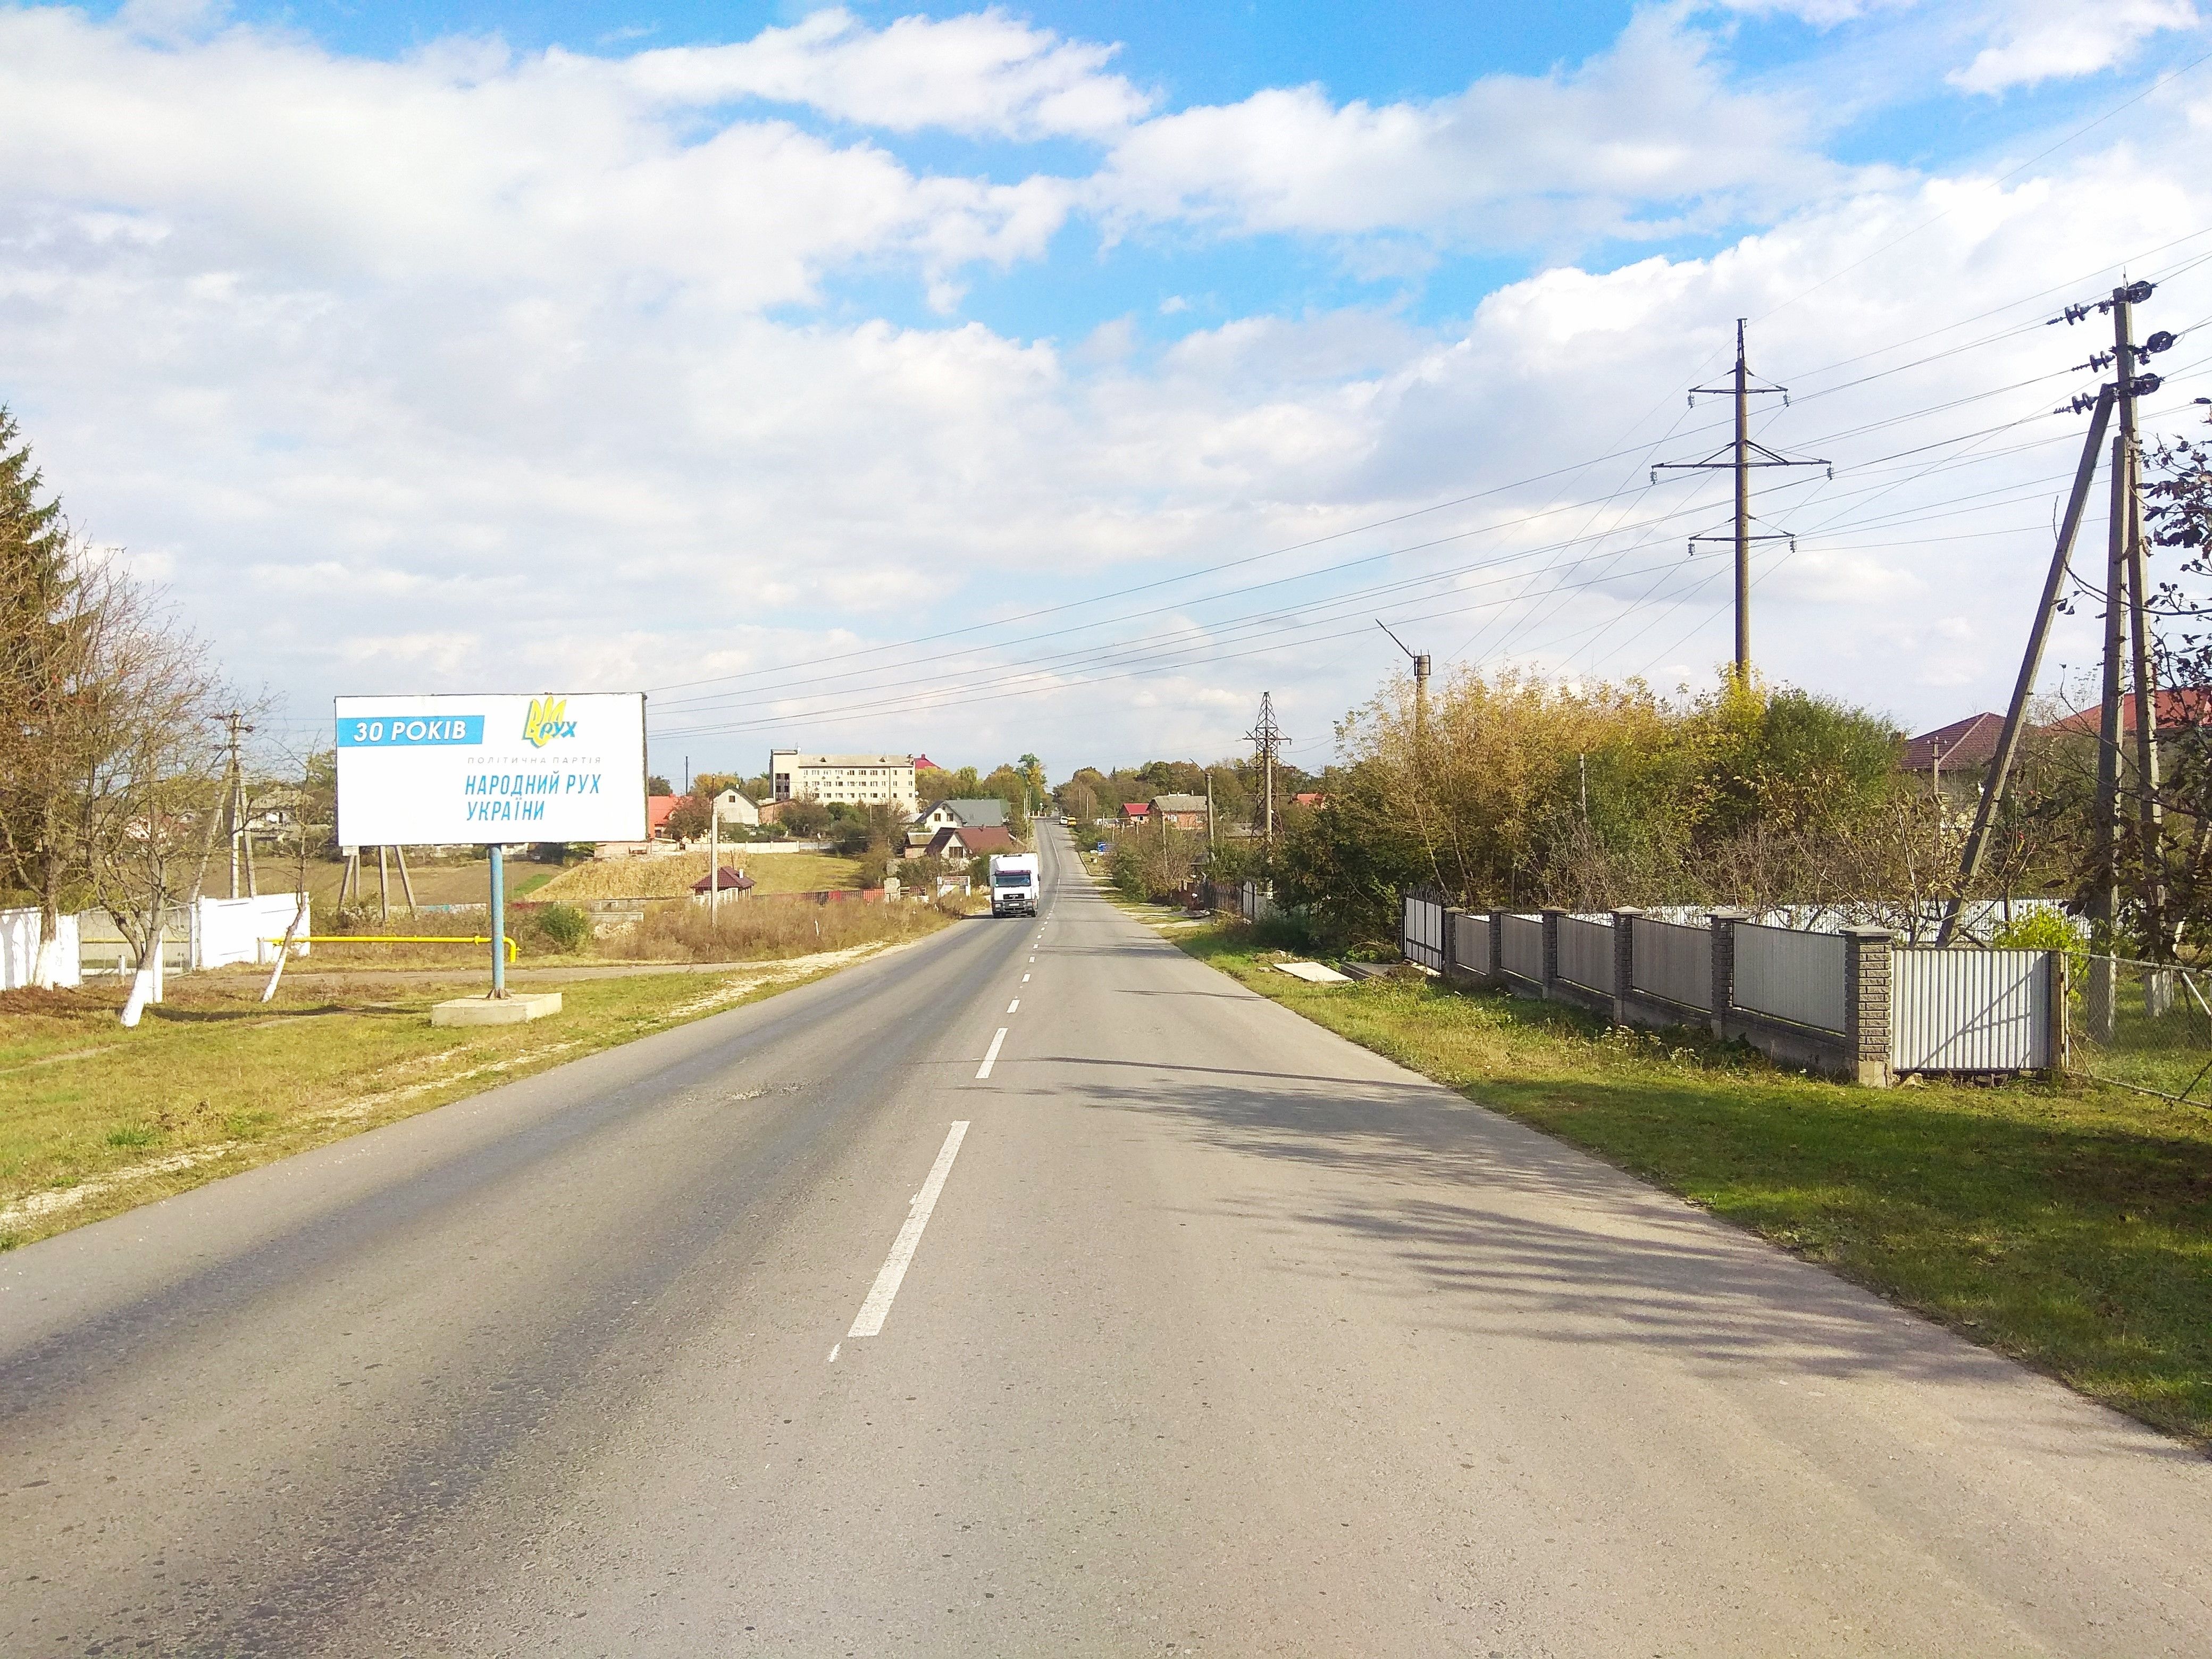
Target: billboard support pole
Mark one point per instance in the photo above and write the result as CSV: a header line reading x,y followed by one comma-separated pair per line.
x,y
498,922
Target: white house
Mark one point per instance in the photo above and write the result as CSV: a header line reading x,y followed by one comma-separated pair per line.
x,y
987,813
734,808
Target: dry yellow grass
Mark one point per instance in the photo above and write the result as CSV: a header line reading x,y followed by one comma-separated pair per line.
x,y
464,881
672,878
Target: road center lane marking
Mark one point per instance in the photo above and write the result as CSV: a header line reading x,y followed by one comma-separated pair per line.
x,y
1015,1004
991,1058
1026,979
870,1320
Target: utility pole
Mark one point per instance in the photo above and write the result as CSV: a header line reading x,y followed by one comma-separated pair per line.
x,y
2150,817
2126,626
1740,456
235,811
2000,768
1420,686
1266,737
2127,636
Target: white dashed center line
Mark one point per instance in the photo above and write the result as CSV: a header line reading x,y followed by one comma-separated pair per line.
x,y
1013,1006
991,1059
870,1320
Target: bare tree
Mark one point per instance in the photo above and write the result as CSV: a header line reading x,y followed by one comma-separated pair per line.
x,y
155,773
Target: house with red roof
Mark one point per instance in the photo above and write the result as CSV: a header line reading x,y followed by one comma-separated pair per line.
x,y
2180,708
1966,743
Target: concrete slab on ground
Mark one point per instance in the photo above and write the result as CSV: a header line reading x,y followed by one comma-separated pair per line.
x,y
1314,973
496,1011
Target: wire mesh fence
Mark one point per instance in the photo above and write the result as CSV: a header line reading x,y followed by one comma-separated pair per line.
x,y
2144,1025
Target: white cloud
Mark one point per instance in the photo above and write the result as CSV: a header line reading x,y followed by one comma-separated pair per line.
x,y
1822,14
2038,41
464,164
983,73
1647,138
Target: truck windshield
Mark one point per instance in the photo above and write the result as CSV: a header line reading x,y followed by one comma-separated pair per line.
x,y
1012,878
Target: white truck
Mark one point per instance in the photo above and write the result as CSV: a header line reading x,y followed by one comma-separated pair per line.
x,y
1013,883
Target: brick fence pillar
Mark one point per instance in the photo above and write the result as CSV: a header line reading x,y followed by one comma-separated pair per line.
x,y
1723,991
1451,943
1623,960
1498,947
1867,981
1550,914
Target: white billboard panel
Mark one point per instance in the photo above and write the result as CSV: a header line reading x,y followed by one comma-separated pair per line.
x,y
425,771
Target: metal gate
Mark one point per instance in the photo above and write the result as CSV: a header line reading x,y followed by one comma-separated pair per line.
x,y
1969,1010
1421,934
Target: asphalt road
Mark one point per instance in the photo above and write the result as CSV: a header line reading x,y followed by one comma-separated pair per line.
x,y
1216,1334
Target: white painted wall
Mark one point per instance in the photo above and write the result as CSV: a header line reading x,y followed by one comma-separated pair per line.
x,y
19,948
245,929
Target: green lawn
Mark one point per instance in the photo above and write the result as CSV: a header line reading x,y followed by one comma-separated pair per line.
x,y
2068,1225
2169,1053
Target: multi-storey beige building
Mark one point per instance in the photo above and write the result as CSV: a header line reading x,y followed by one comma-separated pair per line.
x,y
858,779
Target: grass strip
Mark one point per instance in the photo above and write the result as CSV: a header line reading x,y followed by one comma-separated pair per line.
x,y
2066,1225
95,1120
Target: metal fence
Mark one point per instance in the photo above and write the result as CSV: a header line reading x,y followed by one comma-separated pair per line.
x,y
1790,976
1586,953
1674,961
1969,1010
1421,932
2144,1025
1522,947
1470,939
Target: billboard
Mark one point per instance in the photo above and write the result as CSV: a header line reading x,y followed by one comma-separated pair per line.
x,y
429,771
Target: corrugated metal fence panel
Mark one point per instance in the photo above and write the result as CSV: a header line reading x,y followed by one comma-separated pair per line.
x,y
1421,933
1674,961
1471,940
1522,947
1969,1010
1586,953
1790,976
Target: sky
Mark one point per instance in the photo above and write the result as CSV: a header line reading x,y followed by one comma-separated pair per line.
x,y
1060,378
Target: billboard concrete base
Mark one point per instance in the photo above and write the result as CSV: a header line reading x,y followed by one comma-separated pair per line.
x,y
506,1011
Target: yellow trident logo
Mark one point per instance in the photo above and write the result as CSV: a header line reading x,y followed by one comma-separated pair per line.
x,y
546,722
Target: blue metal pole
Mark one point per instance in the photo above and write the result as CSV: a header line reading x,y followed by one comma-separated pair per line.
x,y
498,923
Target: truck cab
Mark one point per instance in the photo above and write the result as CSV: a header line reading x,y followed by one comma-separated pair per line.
x,y
1013,885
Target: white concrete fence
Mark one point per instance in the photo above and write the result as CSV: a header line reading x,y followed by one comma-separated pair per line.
x,y
1854,1003
212,933
19,950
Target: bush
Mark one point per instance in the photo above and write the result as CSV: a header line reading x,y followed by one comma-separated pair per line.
x,y
565,927
2046,929
1288,930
